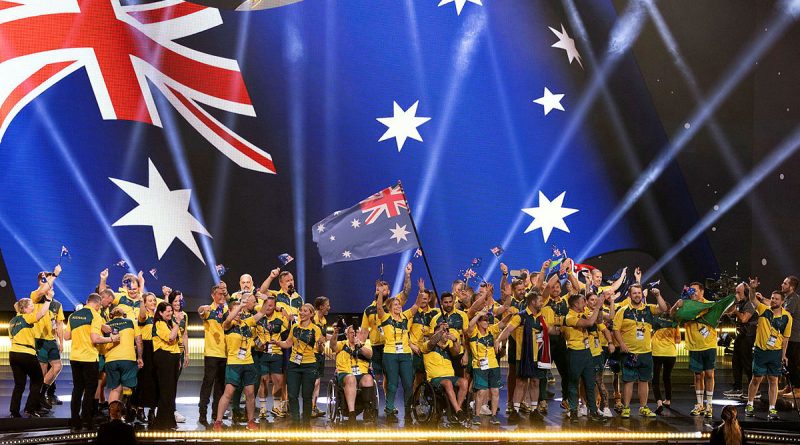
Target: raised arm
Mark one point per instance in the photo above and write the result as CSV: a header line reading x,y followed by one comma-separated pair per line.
x,y
103,278
272,275
231,316
538,282
379,307
616,284
661,305
588,322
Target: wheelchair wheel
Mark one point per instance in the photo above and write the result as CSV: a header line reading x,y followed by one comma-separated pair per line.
x,y
425,405
333,404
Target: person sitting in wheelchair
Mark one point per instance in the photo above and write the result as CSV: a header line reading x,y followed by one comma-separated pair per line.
x,y
352,367
437,352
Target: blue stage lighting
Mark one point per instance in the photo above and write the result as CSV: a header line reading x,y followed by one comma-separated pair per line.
x,y
294,54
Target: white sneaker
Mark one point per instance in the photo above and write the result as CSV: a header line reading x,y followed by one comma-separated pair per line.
x,y
485,411
179,418
583,411
607,412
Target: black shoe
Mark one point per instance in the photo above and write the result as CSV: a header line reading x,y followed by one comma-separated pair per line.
x,y
203,420
15,415
45,403
32,414
391,417
596,417
659,409
535,416
573,416
140,416
54,400
514,417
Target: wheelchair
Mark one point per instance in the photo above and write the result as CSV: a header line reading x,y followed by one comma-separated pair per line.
x,y
337,404
430,407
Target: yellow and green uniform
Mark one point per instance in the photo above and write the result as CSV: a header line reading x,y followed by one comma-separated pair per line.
x,y
438,361
290,303
322,324
663,338
772,333
701,342
581,362
577,339
517,322
81,324
239,339
301,371
635,325
420,328
457,321
182,330
21,329
44,329
214,336
160,336
370,320
482,347
146,327
304,342
350,360
270,328
396,332
120,358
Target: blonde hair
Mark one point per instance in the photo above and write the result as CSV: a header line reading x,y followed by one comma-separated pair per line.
x,y
308,306
118,312
730,426
22,304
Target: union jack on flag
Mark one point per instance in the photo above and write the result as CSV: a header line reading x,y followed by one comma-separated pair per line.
x,y
389,201
122,47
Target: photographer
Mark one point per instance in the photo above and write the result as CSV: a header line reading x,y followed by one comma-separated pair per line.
x,y
744,314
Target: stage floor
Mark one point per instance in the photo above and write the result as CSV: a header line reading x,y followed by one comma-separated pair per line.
x,y
674,423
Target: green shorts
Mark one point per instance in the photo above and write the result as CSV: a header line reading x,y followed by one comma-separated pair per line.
x,y
101,363
437,381
642,372
320,365
486,378
377,359
268,363
341,375
766,362
121,372
241,375
47,350
700,361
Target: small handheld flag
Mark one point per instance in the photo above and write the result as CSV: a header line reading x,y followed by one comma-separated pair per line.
x,y
285,258
220,270
121,263
497,251
153,272
417,253
64,253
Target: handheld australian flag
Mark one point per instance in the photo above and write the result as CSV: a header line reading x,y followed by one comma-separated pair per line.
x,y
379,225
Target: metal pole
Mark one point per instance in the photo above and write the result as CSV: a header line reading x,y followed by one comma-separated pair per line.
x,y
419,241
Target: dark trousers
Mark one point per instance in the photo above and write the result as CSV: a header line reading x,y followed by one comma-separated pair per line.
x,y
558,350
300,381
742,360
166,371
24,367
84,385
665,363
580,366
398,368
793,356
213,378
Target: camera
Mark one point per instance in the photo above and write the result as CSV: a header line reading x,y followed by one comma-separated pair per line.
x,y
721,287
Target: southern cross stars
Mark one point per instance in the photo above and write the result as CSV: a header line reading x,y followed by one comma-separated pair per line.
x,y
165,210
550,101
566,43
402,125
549,215
399,233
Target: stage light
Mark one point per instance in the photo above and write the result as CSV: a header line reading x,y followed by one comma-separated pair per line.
x,y
623,35
471,32
294,54
777,25
787,148
723,145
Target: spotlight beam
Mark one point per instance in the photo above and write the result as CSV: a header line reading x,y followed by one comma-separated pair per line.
x,y
624,33
718,135
770,163
777,25
471,32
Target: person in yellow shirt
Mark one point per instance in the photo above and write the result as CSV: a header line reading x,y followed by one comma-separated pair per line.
x,y
633,326
701,342
457,322
240,371
321,308
85,329
666,336
214,356
532,350
130,294
166,358
581,364
305,339
769,354
146,393
352,369
437,356
123,359
176,300
370,322
485,367
420,329
555,310
600,342
517,297
245,287
22,356
397,363
49,334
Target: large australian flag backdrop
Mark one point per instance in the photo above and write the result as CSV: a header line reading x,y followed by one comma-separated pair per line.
x,y
173,137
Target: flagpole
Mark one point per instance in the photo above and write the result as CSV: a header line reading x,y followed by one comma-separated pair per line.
x,y
419,241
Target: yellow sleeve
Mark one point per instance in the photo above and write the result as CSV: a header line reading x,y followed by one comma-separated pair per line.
x,y
494,329
549,316
250,321
407,313
163,331
571,320
385,317
435,320
60,316
365,321
97,324
515,321
30,318
602,327
761,307
618,319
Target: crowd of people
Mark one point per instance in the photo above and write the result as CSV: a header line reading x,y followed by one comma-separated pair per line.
x,y
128,348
